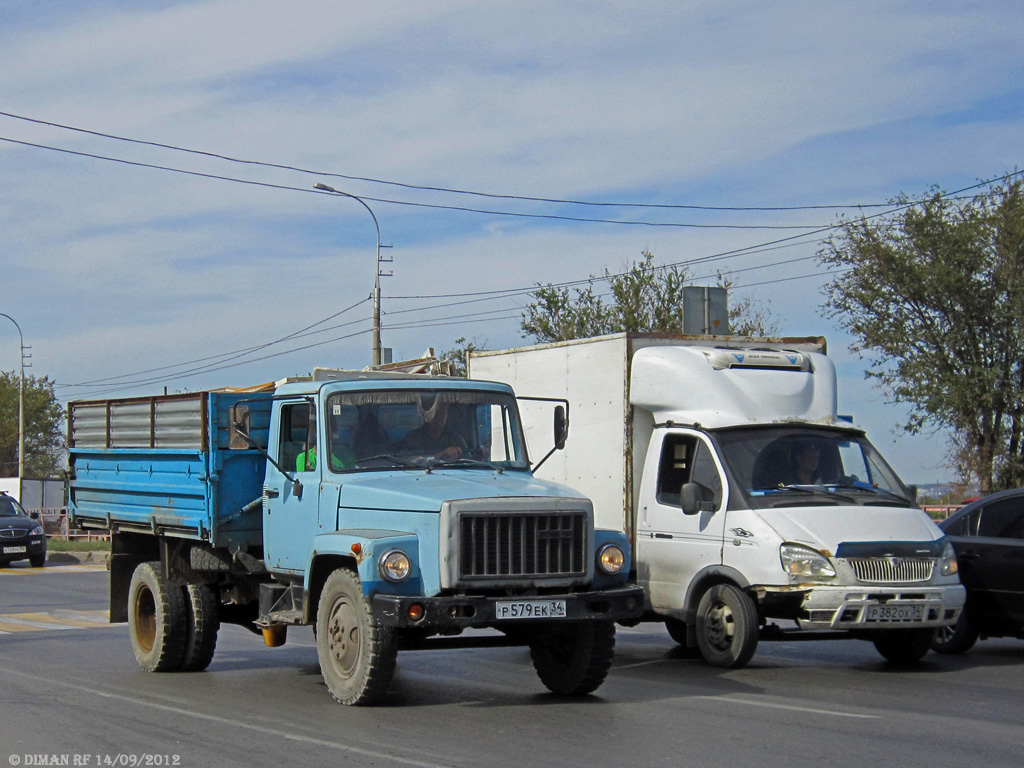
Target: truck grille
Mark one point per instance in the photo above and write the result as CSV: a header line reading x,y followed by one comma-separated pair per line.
x,y
522,545
892,570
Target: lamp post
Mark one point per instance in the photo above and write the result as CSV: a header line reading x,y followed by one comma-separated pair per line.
x,y
21,406
377,275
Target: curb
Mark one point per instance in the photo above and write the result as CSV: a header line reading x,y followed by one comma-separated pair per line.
x,y
96,557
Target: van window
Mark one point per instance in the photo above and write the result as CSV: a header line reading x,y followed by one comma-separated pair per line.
x,y
687,459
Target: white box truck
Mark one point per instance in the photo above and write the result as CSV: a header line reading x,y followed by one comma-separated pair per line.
x,y
754,510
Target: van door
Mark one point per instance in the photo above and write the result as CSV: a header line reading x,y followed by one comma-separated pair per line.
x,y
673,547
290,519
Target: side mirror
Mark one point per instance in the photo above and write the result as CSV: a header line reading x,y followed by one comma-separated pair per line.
x,y
239,439
33,515
690,498
913,493
561,427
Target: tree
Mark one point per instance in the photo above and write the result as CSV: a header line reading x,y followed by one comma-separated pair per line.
x,y
644,299
44,433
934,297
459,355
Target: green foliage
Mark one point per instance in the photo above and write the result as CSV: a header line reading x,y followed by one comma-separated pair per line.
x,y
644,299
459,355
935,298
44,433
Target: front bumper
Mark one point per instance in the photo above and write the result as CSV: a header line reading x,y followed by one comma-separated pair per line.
x,y
466,611
841,607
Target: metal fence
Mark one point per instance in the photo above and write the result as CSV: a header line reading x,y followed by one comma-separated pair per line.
x,y
55,526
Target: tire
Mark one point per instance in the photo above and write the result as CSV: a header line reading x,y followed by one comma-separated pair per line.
x,y
203,623
357,655
727,626
958,637
904,646
573,659
157,619
37,561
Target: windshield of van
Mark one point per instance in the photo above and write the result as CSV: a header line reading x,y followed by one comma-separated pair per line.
x,y
787,466
423,428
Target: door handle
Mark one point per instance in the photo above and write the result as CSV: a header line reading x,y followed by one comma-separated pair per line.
x,y
271,493
971,555
663,535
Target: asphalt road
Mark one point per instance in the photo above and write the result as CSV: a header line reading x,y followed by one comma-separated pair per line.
x,y
70,690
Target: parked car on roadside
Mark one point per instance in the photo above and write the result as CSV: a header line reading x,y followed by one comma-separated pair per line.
x,y
988,536
21,534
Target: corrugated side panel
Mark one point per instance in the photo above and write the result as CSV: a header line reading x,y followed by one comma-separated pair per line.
x,y
174,421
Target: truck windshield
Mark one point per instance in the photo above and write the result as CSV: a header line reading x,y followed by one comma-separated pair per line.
x,y
786,466
423,428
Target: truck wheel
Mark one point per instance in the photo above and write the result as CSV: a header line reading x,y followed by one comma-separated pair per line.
x,y
956,638
727,626
573,659
203,623
157,619
904,646
357,655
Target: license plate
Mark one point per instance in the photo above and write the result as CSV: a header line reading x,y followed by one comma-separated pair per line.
x,y
895,613
530,609
15,550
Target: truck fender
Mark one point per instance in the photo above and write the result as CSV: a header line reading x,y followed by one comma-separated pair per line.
x,y
702,581
360,551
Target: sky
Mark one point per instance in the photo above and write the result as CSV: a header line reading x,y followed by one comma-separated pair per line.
x,y
159,226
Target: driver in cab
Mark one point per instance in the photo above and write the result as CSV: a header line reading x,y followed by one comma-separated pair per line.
x,y
433,438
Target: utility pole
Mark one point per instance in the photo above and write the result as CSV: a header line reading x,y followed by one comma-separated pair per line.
x,y
21,406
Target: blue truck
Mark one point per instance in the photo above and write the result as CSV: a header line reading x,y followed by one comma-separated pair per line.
x,y
389,511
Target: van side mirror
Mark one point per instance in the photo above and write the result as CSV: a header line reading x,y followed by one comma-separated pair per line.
x,y
240,439
561,427
690,496
692,499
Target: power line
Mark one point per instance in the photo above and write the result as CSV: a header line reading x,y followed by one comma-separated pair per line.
x,y
408,203
430,188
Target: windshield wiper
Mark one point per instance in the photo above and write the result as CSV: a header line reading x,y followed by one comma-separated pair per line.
x,y
815,489
388,457
872,489
468,463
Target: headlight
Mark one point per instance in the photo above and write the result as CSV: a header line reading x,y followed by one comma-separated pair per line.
x,y
611,558
394,565
805,563
949,566
37,531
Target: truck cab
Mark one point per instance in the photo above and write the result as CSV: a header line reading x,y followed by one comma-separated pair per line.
x,y
387,510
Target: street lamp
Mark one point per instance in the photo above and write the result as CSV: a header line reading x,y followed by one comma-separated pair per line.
x,y
21,407
377,276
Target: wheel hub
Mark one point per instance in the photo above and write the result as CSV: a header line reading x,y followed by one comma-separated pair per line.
x,y
343,637
720,626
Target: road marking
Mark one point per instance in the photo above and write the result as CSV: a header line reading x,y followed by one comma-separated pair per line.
x,y
59,619
378,752
791,707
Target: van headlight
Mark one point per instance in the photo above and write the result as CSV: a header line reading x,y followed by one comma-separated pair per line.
x,y
611,558
394,565
948,565
801,562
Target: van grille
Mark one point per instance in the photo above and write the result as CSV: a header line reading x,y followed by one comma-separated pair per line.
x,y
892,570
522,545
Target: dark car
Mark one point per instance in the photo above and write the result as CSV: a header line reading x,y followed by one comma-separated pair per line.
x,y
21,534
988,536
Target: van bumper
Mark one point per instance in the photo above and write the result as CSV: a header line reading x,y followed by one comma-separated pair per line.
x,y
871,607
466,611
